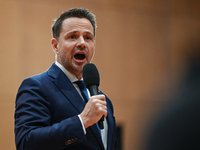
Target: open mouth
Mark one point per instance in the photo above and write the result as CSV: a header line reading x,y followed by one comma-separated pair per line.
x,y
79,56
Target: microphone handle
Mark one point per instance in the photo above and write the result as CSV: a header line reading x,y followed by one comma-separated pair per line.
x,y
100,123
94,91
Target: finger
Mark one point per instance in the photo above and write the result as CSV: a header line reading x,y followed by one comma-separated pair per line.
x,y
101,97
105,113
100,103
103,110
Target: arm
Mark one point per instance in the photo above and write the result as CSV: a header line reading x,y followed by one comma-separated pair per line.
x,y
33,121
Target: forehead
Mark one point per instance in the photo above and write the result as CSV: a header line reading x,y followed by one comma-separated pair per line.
x,y
77,24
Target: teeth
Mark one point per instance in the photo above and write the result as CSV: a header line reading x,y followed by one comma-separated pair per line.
x,y
79,56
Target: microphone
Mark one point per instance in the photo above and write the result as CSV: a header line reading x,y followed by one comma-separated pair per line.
x,y
91,79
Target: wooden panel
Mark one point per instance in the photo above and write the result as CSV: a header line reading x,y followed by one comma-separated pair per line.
x,y
138,54
7,105
187,8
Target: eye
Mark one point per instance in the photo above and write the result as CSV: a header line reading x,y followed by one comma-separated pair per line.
x,y
72,37
88,38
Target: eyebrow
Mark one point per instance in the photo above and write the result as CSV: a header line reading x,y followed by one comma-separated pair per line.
x,y
78,31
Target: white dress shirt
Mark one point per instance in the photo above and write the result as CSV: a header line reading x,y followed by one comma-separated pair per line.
x,y
72,78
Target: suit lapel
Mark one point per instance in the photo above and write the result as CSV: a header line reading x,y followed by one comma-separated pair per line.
x,y
110,130
66,87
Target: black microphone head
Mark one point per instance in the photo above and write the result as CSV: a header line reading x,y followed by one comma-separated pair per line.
x,y
90,75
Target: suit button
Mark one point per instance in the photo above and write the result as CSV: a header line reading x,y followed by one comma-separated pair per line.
x,y
73,140
68,142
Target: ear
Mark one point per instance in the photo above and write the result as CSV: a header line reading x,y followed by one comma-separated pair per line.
x,y
54,45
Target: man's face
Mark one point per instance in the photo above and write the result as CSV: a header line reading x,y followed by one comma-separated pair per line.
x,y
76,45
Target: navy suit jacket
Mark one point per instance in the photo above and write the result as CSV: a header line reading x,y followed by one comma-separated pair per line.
x,y
46,118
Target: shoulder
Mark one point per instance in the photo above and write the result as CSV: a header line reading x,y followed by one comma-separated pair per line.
x,y
41,77
35,79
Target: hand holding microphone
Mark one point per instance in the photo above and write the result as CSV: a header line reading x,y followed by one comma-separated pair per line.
x,y
95,109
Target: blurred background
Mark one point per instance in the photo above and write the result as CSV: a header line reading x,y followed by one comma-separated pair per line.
x,y
141,53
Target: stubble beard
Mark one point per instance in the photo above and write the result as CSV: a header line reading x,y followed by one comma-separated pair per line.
x,y
74,68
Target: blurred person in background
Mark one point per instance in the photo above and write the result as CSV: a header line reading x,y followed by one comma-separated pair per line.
x,y
178,126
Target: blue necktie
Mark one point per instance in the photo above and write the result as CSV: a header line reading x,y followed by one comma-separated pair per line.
x,y
83,90
84,93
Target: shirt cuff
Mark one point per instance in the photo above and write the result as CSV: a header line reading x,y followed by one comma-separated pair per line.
x,y
82,124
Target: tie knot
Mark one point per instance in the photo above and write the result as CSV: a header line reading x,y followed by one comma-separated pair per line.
x,y
83,89
80,84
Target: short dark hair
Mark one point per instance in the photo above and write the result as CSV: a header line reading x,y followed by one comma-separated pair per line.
x,y
74,12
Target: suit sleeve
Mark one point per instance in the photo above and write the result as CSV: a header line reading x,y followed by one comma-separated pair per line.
x,y
33,124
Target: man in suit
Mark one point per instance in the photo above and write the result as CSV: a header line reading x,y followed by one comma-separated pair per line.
x,y
51,113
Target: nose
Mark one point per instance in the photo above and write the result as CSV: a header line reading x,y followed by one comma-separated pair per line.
x,y
81,42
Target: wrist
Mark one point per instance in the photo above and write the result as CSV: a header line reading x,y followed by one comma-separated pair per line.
x,y
84,121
